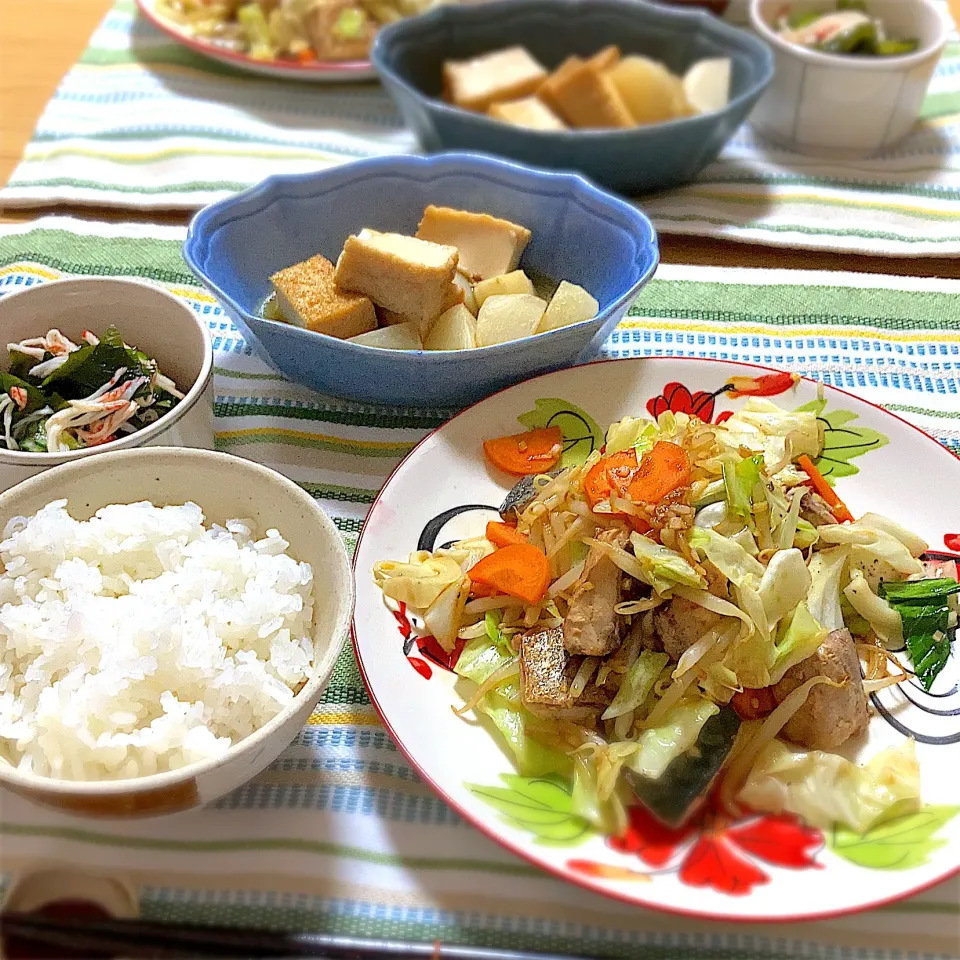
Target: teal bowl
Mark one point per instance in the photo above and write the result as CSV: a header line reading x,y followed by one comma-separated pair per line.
x,y
409,55
580,234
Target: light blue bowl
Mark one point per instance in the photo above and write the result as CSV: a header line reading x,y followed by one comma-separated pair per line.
x,y
580,234
409,56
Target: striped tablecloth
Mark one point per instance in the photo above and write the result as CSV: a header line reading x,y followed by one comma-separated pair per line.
x,y
141,122
340,835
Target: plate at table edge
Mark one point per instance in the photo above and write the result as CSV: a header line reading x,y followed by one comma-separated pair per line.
x,y
762,868
322,71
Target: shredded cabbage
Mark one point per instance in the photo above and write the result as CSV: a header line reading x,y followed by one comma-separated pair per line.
x,y
823,600
534,759
637,684
674,735
419,582
442,617
728,556
824,788
740,479
662,567
786,582
594,799
760,425
629,432
799,638
806,534
751,655
882,618
878,555
480,659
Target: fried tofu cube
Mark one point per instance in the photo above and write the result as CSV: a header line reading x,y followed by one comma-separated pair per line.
x,y
505,318
586,97
307,295
608,57
504,286
401,336
456,329
502,75
488,246
530,112
454,296
403,274
569,304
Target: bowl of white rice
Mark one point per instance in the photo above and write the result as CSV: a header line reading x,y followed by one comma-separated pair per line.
x,y
169,618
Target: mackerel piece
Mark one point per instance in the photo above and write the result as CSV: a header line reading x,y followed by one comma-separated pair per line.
x,y
521,496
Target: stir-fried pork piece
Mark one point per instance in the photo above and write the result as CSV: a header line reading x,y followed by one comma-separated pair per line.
x,y
592,627
680,624
814,509
830,715
546,672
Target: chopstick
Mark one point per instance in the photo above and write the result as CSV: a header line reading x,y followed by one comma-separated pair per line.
x,y
146,939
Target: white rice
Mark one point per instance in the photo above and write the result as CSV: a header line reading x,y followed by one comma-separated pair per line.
x,y
140,641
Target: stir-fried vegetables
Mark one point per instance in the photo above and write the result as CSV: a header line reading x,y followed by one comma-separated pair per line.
x,y
60,396
689,605
295,30
825,789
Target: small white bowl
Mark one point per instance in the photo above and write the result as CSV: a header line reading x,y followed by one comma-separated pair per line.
x,y
224,486
158,323
844,107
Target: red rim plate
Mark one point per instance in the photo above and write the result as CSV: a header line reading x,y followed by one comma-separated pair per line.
x,y
340,69
518,849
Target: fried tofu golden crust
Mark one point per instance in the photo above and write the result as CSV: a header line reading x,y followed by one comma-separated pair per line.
x,y
586,97
307,295
404,275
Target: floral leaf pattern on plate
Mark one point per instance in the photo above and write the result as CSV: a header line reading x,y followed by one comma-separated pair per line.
x,y
541,805
842,441
581,435
898,841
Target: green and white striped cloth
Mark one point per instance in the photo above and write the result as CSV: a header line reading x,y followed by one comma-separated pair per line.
x,y
142,123
339,834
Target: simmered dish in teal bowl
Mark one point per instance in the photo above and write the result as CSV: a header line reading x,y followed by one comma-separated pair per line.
x,y
572,85
423,281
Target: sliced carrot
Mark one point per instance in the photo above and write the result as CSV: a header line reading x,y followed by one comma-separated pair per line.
x,y
638,524
502,534
754,704
662,470
519,570
819,483
479,590
522,454
609,474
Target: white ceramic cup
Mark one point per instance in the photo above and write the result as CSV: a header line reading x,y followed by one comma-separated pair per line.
x,y
224,487
158,323
845,107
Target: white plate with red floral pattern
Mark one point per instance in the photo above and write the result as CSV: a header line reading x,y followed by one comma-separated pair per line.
x,y
762,867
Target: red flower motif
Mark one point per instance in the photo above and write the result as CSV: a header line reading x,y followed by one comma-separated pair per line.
x,y
714,853
654,843
678,399
428,646
782,841
713,863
